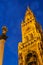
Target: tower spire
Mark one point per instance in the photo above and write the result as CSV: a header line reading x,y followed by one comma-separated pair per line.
x,y
30,50
29,15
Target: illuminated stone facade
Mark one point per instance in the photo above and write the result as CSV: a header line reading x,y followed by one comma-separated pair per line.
x,y
30,50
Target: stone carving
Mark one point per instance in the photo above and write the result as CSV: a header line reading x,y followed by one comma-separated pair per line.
x,y
31,46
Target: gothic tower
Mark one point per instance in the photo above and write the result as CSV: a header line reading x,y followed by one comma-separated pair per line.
x,y
30,50
3,38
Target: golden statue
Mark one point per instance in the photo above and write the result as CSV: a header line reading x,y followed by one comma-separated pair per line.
x,y
3,38
30,50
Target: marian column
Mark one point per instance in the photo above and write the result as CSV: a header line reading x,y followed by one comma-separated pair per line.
x,y
3,38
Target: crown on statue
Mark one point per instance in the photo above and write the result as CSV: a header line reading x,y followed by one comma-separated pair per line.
x,y
4,28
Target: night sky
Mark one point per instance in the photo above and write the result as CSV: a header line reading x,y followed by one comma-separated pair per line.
x,y
11,15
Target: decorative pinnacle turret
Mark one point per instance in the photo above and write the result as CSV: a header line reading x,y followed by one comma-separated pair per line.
x,y
29,15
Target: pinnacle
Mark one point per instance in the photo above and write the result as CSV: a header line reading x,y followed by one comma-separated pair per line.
x,y
29,16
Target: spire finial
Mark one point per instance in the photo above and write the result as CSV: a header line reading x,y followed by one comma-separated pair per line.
x,y
28,8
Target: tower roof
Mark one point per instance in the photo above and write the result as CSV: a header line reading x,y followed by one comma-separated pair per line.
x,y
28,11
29,15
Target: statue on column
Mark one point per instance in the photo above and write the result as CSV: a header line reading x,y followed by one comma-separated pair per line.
x,y
3,38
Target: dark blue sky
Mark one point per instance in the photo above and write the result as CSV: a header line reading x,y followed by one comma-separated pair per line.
x,y
11,14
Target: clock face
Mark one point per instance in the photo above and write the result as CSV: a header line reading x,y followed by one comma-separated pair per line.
x,y
31,59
